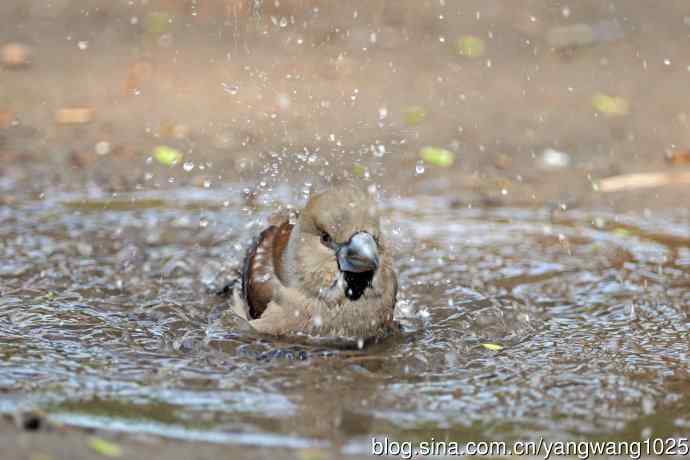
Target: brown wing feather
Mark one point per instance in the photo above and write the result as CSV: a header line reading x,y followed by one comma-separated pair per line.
x,y
280,241
255,291
263,261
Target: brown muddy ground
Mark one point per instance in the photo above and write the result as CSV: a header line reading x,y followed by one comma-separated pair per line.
x,y
307,91
227,84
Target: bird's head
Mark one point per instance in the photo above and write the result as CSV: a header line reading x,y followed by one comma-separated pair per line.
x,y
335,249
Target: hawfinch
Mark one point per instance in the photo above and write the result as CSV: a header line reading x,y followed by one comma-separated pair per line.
x,y
328,274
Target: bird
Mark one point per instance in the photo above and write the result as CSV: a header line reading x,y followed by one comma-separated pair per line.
x,y
328,272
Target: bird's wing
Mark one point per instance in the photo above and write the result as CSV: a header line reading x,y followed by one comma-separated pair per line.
x,y
263,262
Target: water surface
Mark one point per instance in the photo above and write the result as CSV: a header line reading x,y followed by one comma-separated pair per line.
x,y
569,324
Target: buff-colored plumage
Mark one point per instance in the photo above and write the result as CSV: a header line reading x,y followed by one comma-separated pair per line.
x,y
301,278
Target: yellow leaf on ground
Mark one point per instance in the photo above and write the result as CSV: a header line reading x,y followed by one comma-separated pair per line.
x,y
157,22
105,448
414,115
610,105
492,346
470,46
359,170
167,155
437,156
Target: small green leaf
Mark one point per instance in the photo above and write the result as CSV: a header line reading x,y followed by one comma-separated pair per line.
x,y
492,346
359,170
105,448
470,46
167,155
437,156
414,115
157,22
610,105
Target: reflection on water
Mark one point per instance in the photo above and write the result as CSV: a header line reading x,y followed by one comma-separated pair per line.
x,y
107,318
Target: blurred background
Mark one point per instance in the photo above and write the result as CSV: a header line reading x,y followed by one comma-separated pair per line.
x,y
494,101
532,156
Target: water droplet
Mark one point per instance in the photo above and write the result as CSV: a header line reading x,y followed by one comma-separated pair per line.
x,y
208,274
203,222
188,166
647,406
103,148
283,101
283,22
423,313
230,89
265,278
554,159
360,343
165,40
83,45
207,183
419,168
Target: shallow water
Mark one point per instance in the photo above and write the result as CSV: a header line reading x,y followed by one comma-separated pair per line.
x,y
108,319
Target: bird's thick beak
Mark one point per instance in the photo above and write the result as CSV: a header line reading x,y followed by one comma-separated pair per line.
x,y
358,255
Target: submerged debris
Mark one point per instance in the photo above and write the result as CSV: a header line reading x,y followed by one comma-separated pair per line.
x,y
74,115
29,420
642,180
581,34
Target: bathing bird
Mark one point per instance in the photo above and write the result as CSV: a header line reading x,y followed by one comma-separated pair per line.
x,y
328,272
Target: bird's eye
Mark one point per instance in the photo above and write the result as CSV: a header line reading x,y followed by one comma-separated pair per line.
x,y
326,239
